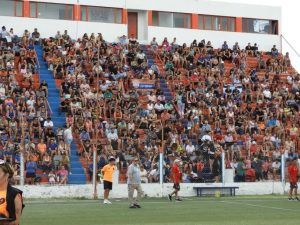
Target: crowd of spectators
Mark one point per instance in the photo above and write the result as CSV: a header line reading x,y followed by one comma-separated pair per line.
x,y
242,101
25,122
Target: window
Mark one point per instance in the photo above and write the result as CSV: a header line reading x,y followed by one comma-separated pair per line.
x,y
181,20
101,14
51,11
162,19
259,26
232,24
83,13
18,8
224,24
11,8
208,21
201,22
217,23
33,9
155,19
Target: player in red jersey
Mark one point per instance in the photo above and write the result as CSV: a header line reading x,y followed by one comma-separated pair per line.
x,y
176,174
293,177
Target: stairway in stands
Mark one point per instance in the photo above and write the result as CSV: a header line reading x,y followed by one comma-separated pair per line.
x,y
77,174
162,82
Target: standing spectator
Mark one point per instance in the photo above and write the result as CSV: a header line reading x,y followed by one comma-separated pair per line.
x,y
35,36
31,167
108,171
134,183
276,168
68,137
176,179
240,171
257,165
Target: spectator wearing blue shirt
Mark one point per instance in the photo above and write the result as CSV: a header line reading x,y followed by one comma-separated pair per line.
x,y
84,135
31,167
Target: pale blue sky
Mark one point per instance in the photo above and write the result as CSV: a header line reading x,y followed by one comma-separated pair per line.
x,y
290,23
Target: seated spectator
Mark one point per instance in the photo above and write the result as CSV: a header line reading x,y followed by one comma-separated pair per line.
x,y
62,175
274,51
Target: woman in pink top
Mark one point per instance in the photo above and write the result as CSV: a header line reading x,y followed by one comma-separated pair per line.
x,y
63,175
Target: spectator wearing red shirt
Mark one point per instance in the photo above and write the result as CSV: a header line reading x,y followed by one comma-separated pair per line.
x,y
293,177
176,174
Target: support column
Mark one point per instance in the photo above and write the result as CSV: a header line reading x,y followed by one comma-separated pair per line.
x,y
76,12
149,17
194,21
124,16
26,8
238,24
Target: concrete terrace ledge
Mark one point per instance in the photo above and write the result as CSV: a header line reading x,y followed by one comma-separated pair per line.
x,y
151,190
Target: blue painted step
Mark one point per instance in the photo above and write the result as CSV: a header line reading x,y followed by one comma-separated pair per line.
x,y
77,174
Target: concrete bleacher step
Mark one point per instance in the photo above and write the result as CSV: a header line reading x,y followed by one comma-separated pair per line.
x,y
77,179
78,171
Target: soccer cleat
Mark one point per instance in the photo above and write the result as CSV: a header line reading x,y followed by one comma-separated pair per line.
x,y
170,197
137,206
132,207
106,201
178,200
297,199
291,199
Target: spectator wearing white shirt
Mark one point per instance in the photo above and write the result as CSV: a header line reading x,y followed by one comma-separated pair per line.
x,y
189,148
159,107
140,57
48,124
68,137
276,169
112,136
267,94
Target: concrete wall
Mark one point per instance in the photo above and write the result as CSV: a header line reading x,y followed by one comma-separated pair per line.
x,y
48,28
151,190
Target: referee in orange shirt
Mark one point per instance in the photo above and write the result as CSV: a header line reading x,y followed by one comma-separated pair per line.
x,y
108,171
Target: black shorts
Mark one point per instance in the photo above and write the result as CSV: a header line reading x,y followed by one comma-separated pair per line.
x,y
107,185
30,175
176,187
293,185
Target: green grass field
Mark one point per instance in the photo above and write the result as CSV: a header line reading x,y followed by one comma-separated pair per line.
x,y
266,210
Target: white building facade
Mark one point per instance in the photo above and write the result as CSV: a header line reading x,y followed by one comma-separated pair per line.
x,y
184,19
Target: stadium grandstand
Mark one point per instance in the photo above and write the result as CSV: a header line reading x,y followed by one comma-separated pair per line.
x,y
209,85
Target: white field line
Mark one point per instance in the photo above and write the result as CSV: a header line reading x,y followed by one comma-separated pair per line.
x,y
260,206
124,201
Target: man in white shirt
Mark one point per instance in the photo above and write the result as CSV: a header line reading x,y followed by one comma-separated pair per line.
x,y
48,123
3,33
267,94
112,135
189,148
68,136
159,107
276,168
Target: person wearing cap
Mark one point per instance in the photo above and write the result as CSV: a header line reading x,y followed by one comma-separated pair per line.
x,y
293,177
11,198
176,179
108,171
134,183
